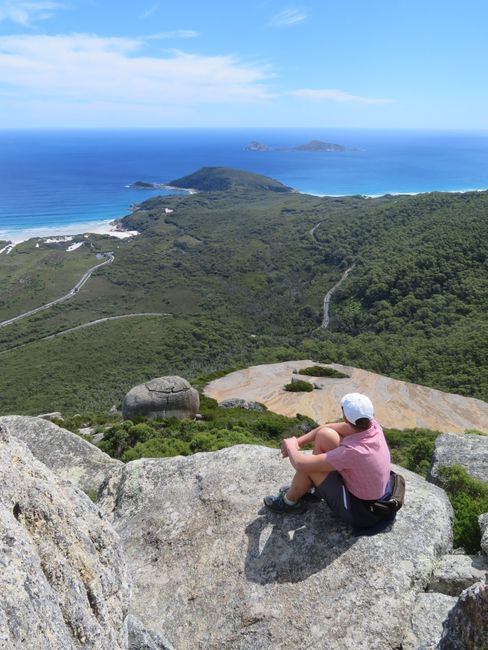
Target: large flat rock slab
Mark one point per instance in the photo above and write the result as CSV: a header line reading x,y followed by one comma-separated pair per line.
x,y
66,454
212,569
398,404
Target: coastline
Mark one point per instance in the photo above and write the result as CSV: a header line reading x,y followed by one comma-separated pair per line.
x,y
111,227
378,196
162,186
62,232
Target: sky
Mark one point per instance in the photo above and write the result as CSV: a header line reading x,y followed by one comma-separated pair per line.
x,y
257,63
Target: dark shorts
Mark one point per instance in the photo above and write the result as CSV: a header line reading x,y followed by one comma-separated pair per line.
x,y
345,505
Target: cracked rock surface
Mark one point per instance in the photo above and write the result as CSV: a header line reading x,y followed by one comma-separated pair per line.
x,y
63,579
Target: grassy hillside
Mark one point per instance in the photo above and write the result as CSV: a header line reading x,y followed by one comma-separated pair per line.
x,y
242,274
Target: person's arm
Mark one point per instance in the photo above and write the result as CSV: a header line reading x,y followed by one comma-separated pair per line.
x,y
306,462
342,428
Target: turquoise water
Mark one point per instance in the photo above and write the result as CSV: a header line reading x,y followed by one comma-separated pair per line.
x,y
55,178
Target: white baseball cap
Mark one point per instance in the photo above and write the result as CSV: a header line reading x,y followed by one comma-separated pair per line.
x,y
357,406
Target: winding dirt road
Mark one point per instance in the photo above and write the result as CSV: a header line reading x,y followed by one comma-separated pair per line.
x,y
328,296
70,294
326,317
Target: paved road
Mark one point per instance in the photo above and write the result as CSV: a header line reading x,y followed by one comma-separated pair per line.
x,y
83,325
70,294
102,320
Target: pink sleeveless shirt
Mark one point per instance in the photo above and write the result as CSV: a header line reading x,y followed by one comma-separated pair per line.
x,y
363,460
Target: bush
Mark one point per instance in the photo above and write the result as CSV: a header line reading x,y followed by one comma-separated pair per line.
x,y
299,387
469,498
412,448
319,371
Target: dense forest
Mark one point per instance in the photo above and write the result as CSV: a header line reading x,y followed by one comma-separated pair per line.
x,y
238,276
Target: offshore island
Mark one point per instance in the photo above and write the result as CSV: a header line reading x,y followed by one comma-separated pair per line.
x,y
313,146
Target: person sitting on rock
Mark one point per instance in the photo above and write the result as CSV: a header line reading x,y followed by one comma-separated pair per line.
x,y
349,467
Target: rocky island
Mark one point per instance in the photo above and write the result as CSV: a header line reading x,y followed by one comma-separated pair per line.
x,y
318,145
143,185
313,145
257,146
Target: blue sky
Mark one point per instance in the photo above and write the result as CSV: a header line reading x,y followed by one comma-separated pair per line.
x,y
321,63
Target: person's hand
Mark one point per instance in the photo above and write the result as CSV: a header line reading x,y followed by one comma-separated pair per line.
x,y
287,445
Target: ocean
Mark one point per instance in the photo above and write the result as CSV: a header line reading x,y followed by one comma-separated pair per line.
x,y
65,180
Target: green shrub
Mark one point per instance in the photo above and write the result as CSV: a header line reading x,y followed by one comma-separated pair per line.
x,y
299,387
412,448
91,494
469,498
319,371
122,436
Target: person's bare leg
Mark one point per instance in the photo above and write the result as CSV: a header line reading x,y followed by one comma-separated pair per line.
x,y
325,440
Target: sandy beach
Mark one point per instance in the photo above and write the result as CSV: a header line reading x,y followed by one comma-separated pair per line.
x,y
55,234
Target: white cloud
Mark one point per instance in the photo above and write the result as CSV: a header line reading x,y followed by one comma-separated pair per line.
x,y
177,33
25,13
150,11
287,17
332,95
86,68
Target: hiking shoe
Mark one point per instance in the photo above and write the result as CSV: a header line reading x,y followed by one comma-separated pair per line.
x,y
278,504
311,495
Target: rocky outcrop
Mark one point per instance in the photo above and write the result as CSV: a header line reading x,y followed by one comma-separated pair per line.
x,y
427,617
162,397
466,627
212,569
65,453
455,573
63,579
470,451
242,404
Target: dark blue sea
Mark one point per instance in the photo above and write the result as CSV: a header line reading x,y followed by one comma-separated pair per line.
x,y
61,180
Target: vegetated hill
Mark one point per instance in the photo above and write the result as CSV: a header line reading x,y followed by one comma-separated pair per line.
x,y
221,179
318,145
242,274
